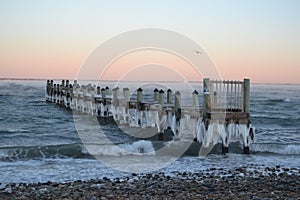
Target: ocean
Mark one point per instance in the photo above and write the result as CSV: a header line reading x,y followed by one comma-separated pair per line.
x,y
39,141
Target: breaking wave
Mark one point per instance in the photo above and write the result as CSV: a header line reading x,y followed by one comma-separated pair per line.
x,y
283,149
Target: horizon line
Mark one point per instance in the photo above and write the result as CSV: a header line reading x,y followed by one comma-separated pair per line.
x,y
57,79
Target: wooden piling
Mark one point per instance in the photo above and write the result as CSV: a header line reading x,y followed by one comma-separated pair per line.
x,y
75,84
139,95
126,100
156,94
206,97
98,90
106,90
246,95
195,98
161,97
139,108
103,93
169,96
126,95
177,111
177,104
115,93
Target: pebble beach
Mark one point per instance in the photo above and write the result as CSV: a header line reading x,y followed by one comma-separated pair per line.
x,y
215,183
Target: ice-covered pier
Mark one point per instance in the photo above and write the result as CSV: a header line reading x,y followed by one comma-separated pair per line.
x,y
224,115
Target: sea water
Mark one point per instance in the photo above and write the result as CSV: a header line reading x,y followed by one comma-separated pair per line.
x,y
39,141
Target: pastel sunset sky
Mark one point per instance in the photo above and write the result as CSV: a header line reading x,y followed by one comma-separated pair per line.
x,y
244,38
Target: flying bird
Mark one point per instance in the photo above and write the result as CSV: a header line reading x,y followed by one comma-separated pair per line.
x,y
198,52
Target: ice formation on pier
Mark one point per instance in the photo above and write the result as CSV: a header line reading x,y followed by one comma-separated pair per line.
x,y
228,98
230,132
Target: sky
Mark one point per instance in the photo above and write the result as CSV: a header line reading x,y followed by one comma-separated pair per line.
x,y
243,38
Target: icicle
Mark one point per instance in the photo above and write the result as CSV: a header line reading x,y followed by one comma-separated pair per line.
x,y
152,115
173,127
169,119
181,126
200,132
199,122
232,130
187,119
114,111
123,114
119,113
91,108
147,119
157,122
246,134
211,136
224,134
162,123
132,117
193,126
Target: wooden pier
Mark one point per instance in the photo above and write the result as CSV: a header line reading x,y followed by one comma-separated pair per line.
x,y
224,115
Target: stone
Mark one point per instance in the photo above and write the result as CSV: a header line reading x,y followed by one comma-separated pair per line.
x,y
8,190
43,190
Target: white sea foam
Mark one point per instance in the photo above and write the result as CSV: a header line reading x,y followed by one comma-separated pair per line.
x,y
140,147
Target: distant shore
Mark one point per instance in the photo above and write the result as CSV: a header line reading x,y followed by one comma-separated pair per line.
x,y
274,183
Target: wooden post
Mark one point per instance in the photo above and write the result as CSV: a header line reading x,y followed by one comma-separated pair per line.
x,y
156,94
84,98
48,86
98,90
54,93
115,92
246,95
169,96
206,97
177,103
126,95
75,84
51,90
93,102
47,90
161,97
177,111
139,95
103,94
126,100
57,93
177,100
195,98
139,105
106,90
98,106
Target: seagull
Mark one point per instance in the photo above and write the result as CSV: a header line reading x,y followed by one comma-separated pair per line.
x,y
198,52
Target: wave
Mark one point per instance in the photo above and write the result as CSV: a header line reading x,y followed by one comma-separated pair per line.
x,y
278,100
76,150
283,149
140,147
38,152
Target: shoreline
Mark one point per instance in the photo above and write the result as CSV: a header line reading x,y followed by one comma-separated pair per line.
x,y
219,183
